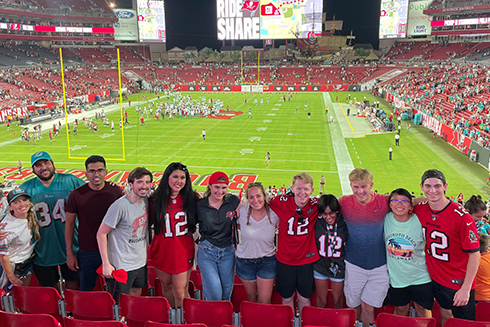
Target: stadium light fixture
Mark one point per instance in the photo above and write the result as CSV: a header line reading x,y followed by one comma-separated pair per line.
x,y
112,4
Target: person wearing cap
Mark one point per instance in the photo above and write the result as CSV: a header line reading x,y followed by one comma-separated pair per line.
x,y
16,251
216,253
452,248
122,237
366,273
49,192
88,204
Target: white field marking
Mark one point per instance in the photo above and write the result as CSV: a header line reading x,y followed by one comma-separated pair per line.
x,y
261,129
254,138
278,104
106,135
243,151
275,109
267,121
271,115
342,157
77,147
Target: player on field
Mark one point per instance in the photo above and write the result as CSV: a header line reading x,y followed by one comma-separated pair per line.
x,y
452,248
296,248
203,134
366,274
88,203
172,247
49,192
122,236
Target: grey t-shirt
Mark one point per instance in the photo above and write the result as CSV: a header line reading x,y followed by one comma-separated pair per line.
x,y
126,243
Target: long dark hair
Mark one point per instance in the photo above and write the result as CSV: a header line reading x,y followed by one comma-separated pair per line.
x,y
162,198
474,205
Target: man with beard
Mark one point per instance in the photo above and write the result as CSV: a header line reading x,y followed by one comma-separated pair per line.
x,y
49,192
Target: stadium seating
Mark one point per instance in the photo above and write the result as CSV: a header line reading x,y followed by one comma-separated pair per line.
x,y
211,313
89,305
455,322
238,295
159,324
138,309
389,320
31,320
27,299
265,315
329,317
483,311
72,322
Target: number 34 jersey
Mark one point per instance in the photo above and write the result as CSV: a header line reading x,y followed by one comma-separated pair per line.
x,y
49,205
296,240
450,235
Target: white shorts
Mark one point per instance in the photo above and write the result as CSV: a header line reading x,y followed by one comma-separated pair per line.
x,y
368,286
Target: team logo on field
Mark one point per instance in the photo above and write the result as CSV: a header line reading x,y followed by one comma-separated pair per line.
x,y
473,238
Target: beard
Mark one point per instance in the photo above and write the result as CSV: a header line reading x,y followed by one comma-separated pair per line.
x,y
51,174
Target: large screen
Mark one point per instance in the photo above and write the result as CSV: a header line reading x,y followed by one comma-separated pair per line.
x,y
126,28
151,21
268,19
418,23
393,19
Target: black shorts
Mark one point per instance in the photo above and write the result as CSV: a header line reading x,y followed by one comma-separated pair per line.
x,y
420,294
136,279
290,278
445,296
49,275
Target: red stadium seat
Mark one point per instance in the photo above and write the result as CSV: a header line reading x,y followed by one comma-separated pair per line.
x,y
160,324
31,320
27,299
483,311
265,315
197,280
139,309
238,296
455,322
72,322
211,313
324,316
89,305
389,320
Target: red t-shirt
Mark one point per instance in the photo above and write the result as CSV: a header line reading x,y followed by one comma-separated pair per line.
x,y
296,241
450,235
172,249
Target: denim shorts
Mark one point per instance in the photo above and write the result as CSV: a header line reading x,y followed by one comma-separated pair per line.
x,y
320,276
249,269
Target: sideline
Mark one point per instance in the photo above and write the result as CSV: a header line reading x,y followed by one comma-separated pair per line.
x,y
342,157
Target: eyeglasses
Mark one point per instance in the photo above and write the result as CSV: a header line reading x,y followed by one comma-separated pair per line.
x,y
331,213
99,171
300,213
399,201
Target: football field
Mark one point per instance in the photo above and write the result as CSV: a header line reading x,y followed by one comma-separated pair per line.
x,y
237,144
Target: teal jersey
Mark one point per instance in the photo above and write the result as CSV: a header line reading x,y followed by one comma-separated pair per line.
x,y
49,204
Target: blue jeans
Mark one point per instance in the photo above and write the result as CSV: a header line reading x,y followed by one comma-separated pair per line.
x,y
88,262
217,267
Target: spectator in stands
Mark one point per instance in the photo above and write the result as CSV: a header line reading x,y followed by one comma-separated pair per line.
x,y
216,252
482,290
331,238
256,253
122,236
49,192
451,231
172,247
409,277
16,251
88,203
366,278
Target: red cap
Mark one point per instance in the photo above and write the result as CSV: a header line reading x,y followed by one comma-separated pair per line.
x,y
214,179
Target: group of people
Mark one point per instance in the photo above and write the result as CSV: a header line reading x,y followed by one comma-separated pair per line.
x,y
368,245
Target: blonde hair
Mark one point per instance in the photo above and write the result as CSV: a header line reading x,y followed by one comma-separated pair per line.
x,y
484,241
266,202
361,174
208,188
32,222
305,177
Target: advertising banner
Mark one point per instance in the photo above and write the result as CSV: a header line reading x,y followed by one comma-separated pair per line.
x,y
418,23
126,28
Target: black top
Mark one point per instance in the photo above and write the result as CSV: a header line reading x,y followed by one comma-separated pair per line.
x,y
215,225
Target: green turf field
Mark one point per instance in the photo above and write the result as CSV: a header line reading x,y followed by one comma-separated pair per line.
x,y
239,145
